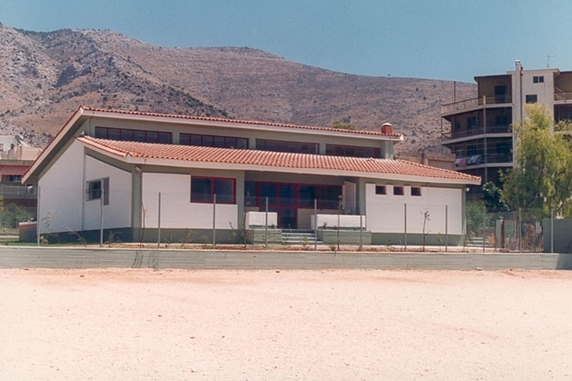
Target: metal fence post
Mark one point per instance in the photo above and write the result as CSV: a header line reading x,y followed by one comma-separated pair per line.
x,y
38,215
552,231
360,232
266,226
315,224
519,227
446,227
405,226
159,221
484,225
101,196
214,221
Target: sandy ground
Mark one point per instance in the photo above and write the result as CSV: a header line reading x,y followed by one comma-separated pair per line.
x,y
287,325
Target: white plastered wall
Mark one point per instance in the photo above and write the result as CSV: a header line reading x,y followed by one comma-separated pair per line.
x,y
177,212
386,213
117,214
61,193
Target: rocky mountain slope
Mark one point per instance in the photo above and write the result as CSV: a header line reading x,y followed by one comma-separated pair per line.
x,y
44,77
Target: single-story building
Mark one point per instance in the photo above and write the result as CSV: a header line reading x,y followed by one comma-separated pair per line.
x,y
132,173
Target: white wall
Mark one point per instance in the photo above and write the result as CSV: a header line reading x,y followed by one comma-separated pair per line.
x,y
118,213
177,211
61,193
386,213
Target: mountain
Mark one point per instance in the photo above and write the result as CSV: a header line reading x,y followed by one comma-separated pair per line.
x,y
45,76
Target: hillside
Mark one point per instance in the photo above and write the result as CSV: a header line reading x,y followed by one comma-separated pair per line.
x,y
46,76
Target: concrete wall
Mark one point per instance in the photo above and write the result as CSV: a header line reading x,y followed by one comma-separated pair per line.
x,y
177,211
60,199
386,213
562,235
117,214
74,258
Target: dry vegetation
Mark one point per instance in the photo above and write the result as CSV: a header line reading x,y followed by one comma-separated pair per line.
x,y
46,76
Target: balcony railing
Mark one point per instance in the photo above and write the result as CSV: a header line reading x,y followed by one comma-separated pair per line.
x,y
490,158
562,96
478,130
468,104
17,191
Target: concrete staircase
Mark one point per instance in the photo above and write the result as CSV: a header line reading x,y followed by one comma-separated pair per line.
x,y
298,237
477,242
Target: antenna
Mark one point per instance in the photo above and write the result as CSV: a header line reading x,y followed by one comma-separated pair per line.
x,y
548,61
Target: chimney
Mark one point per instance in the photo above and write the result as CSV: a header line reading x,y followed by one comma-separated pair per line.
x,y
387,129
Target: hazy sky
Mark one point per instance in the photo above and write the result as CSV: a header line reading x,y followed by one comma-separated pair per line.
x,y
437,39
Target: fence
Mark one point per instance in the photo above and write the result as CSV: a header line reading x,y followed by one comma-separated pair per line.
x,y
328,220
521,230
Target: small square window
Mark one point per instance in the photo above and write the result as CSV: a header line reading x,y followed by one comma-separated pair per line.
x,y
94,190
531,98
415,191
538,79
398,191
380,189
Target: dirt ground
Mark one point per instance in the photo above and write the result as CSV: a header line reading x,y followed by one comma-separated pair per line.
x,y
124,324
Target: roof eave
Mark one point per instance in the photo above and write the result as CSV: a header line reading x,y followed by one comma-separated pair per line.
x,y
61,138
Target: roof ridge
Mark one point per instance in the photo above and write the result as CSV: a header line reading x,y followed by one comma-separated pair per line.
x,y
241,121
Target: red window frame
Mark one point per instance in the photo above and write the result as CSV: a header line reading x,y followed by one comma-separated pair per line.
x,y
209,199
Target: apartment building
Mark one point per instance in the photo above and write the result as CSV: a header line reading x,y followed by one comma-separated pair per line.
x,y
480,130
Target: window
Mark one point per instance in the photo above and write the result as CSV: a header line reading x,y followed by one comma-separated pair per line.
x,y
472,122
380,189
286,146
398,191
307,194
330,196
531,98
203,190
352,151
15,178
415,191
133,135
213,141
95,188
538,79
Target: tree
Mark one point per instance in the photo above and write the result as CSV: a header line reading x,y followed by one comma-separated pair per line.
x,y
492,196
343,125
542,177
12,215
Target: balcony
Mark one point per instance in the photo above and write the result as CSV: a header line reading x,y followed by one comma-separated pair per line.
x,y
476,131
475,161
474,104
562,98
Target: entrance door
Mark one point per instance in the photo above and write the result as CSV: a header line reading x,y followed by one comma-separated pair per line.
x,y
282,200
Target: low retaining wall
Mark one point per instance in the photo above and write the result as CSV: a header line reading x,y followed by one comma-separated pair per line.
x,y
79,258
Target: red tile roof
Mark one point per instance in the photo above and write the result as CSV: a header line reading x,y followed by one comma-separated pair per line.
x,y
271,159
249,122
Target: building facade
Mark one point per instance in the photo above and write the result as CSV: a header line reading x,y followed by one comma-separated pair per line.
x,y
480,130
132,173
16,156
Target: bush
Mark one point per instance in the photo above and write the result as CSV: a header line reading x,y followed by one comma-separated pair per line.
x,y
12,215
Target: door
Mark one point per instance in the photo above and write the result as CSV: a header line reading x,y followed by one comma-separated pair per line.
x,y
282,200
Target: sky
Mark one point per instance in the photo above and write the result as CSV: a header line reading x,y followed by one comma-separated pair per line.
x,y
434,39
